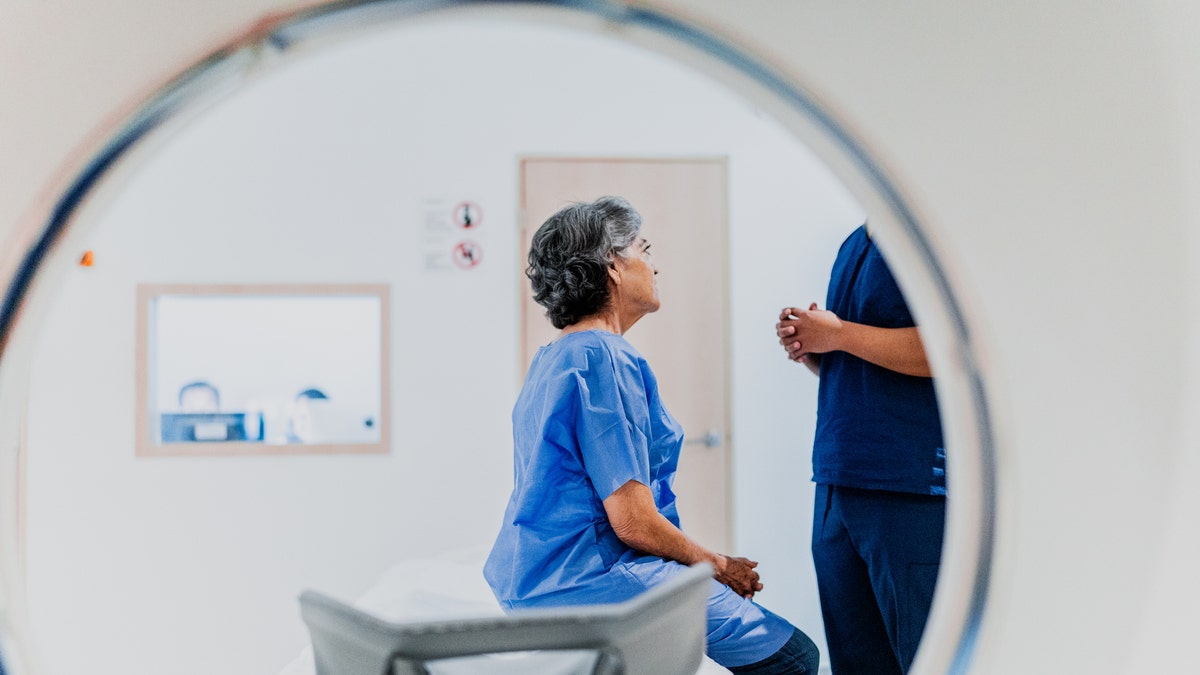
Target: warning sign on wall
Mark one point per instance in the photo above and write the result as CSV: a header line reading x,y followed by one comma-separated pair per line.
x,y
468,215
446,223
467,254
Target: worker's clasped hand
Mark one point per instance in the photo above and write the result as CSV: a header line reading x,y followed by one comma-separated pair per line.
x,y
807,331
739,575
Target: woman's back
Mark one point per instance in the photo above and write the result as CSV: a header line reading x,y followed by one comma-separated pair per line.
x,y
587,421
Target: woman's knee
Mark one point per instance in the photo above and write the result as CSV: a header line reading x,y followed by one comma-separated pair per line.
x,y
807,656
811,658
798,656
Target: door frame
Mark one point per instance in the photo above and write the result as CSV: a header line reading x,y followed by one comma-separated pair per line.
x,y
729,464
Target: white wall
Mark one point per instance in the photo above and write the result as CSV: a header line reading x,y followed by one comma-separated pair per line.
x,y
323,172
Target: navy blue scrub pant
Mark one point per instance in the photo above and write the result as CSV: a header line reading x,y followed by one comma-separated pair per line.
x,y
876,555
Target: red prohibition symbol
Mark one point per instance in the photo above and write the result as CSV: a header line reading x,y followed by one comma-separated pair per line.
x,y
467,254
468,215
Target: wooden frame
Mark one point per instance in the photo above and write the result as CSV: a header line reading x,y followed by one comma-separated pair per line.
x,y
149,445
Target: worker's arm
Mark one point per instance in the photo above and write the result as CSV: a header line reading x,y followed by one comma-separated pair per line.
x,y
813,361
636,521
814,331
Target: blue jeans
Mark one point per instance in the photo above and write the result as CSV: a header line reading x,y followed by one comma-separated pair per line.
x,y
797,656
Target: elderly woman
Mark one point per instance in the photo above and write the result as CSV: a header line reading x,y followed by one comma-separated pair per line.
x,y
592,517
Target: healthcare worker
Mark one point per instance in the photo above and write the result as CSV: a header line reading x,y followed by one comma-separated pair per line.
x,y
878,462
592,518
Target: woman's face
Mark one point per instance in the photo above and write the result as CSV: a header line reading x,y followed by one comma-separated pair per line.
x,y
638,289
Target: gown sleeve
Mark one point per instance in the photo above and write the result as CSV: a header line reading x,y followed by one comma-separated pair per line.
x,y
612,422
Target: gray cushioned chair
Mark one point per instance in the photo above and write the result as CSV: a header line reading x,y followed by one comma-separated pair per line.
x,y
660,632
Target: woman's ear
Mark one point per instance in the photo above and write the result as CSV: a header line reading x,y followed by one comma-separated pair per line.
x,y
614,272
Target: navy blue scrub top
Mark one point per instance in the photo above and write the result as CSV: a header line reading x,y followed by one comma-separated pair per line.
x,y
876,429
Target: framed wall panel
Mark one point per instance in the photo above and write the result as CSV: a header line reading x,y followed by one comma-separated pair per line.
x,y
262,369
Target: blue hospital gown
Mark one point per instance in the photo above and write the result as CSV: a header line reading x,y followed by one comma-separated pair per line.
x,y
588,420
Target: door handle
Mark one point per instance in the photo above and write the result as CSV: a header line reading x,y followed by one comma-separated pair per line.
x,y
710,439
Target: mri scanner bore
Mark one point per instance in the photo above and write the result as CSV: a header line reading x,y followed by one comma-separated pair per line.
x,y
344,205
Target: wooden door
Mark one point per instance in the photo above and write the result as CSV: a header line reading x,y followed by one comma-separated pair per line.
x,y
684,209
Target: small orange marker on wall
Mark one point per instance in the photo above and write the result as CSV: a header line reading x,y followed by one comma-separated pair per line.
x,y
86,260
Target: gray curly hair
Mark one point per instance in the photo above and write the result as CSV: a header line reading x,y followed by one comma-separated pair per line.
x,y
571,253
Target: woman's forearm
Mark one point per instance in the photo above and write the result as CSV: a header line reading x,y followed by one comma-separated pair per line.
x,y
638,524
636,521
